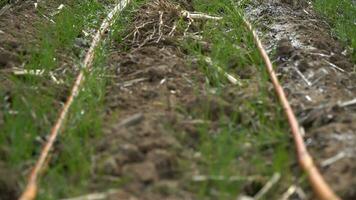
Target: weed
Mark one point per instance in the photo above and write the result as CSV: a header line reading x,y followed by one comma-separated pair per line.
x,y
3,3
82,127
35,101
252,139
341,15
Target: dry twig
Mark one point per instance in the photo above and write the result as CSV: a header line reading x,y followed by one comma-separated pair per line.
x,y
347,103
194,15
95,196
334,66
291,190
275,178
228,76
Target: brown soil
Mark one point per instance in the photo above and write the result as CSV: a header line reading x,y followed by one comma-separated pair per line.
x,y
9,188
141,145
152,81
317,74
16,25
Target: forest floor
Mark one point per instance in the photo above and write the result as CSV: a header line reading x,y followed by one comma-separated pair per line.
x,y
175,107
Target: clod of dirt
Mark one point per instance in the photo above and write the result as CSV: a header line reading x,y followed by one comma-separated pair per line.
x,y
212,105
8,60
244,72
145,172
158,73
284,48
132,152
109,166
253,187
9,188
164,161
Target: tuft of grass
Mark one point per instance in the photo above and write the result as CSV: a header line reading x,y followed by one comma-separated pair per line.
x,y
254,140
59,37
341,15
70,169
3,3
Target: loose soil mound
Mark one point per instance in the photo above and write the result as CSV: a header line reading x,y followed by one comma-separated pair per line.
x,y
153,79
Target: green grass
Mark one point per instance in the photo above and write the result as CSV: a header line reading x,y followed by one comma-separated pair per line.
x,y
341,15
59,37
83,129
3,3
254,140
37,100
71,166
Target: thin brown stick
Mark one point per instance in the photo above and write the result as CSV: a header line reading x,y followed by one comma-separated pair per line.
x,y
30,191
320,187
190,15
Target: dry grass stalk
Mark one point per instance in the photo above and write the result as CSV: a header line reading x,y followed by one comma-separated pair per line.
x,y
320,187
189,15
95,196
333,159
347,103
158,20
228,76
267,187
291,190
30,191
4,9
303,77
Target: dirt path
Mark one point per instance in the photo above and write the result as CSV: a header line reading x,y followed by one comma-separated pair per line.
x,y
141,145
320,81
